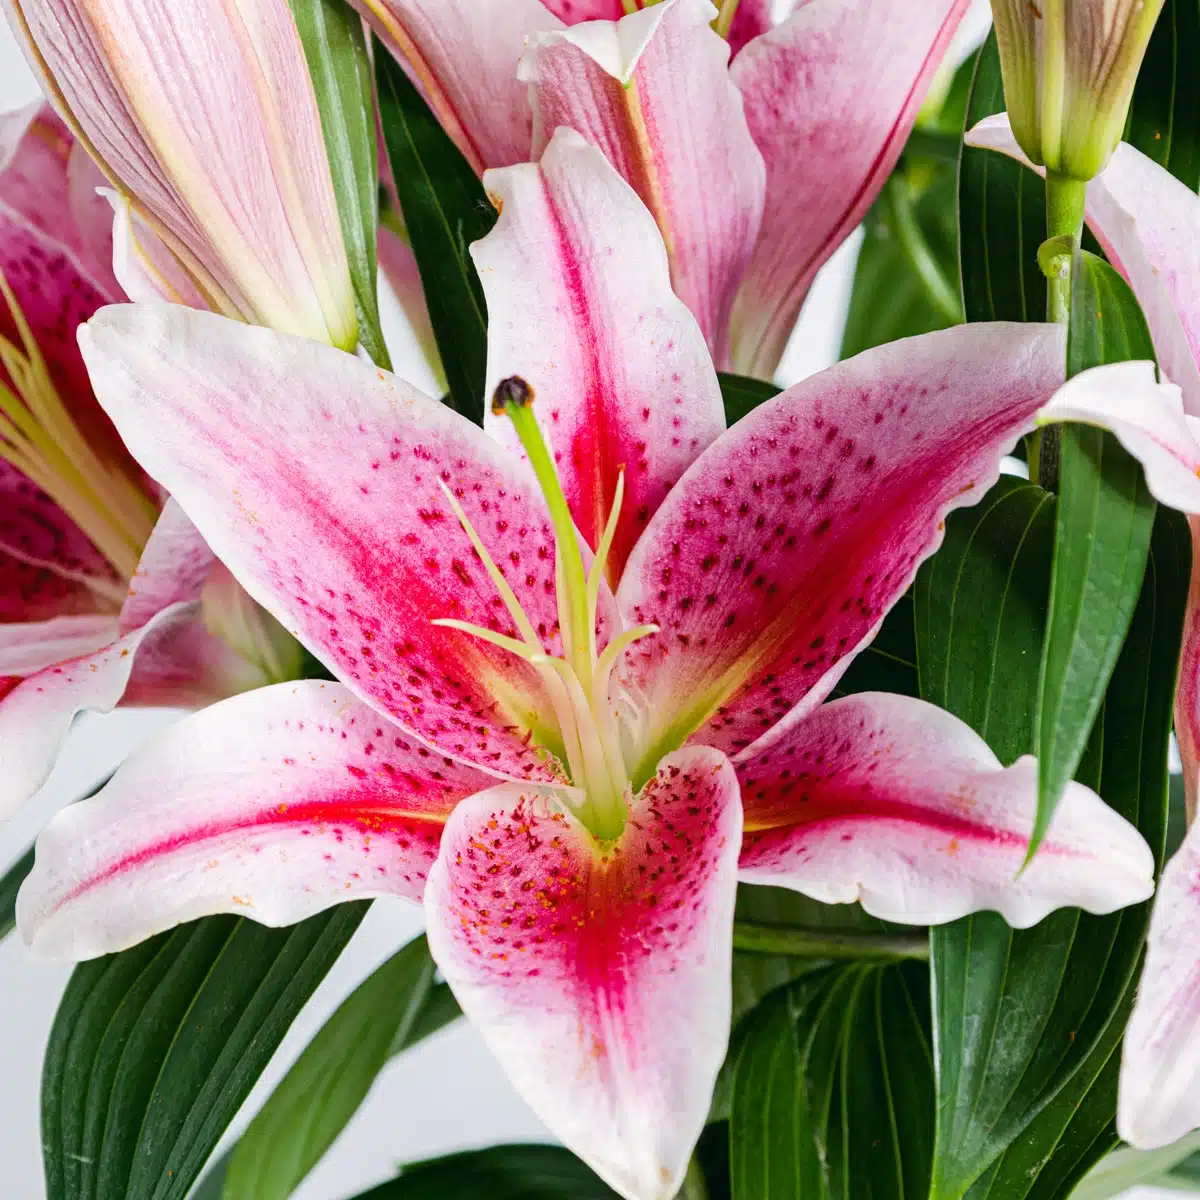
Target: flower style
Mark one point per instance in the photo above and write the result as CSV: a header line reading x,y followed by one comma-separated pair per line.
x,y
1149,225
104,592
755,170
203,117
582,657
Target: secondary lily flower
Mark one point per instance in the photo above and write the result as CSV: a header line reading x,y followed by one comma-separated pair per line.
x,y
1149,225
203,117
755,170
105,595
582,661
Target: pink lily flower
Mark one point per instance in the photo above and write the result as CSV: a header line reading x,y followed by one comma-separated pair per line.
x,y
174,101
106,595
755,169
582,658
1149,225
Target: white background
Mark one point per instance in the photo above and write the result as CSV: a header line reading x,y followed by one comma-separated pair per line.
x,y
445,1095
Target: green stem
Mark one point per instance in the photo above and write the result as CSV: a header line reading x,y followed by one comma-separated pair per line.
x,y
1065,200
756,938
915,248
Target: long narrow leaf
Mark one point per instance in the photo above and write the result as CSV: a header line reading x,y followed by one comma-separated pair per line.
x,y
1105,517
331,1078
445,210
335,48
153,1050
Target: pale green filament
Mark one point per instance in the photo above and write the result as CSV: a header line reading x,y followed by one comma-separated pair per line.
x,y
40,438
580,684
724,22
576,634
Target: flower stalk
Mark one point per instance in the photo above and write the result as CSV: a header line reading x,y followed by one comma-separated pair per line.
x,y
1065,200
758,938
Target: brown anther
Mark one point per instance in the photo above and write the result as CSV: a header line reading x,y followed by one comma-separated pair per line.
x,y
513,390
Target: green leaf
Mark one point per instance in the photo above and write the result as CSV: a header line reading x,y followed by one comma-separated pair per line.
x,y
1028,1021
1002,216
445,210
325,1086
1102,537
743,395
1077,1126
1164,119
336,51
1129,1167
833,1088
498,1173
10,885
755,974
154,1049
906,242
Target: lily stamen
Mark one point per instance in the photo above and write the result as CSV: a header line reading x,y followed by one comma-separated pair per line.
x,y
39,436
591,723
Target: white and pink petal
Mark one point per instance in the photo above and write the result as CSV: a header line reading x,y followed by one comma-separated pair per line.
x,y
272,805
1159,1095
598,972
831,95
318,480
652,91
773,561
892,802
1147,418
580,306
36,711
462,54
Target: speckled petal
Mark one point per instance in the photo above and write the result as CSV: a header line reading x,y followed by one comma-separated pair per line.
x,y
580,305
773,561
316,478
598,973
36,712
45,559
653,92
273,805
1159,1098
463,54
894,802
831,95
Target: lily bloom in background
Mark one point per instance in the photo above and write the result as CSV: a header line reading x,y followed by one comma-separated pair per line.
x,y
106,595
176,102
582,657
1149,225
755,170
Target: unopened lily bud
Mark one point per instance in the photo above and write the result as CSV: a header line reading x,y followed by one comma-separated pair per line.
x,y
1069,68
203,116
